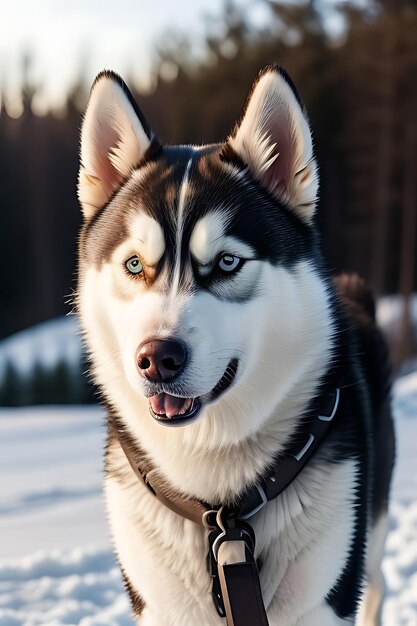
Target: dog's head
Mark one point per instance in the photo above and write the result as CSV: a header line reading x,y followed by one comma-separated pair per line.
x,y
200,290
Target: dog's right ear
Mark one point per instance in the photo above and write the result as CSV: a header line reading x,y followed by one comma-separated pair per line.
x,y
114,139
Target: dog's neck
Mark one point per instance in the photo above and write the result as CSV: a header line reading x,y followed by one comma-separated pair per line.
x,y
216,474
311,432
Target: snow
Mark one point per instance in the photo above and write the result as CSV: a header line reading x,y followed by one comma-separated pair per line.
x,y
46,344
400,562
389,312
56,564
50,478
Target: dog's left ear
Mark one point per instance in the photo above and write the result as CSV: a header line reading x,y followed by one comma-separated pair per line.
x,y
273,139
114,139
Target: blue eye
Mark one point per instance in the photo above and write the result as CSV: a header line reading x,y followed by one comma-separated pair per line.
x,y
229,263
133,265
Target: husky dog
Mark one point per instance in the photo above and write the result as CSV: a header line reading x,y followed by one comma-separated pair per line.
x,y
213,328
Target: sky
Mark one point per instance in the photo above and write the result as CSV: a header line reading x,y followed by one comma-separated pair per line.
x,y
64,35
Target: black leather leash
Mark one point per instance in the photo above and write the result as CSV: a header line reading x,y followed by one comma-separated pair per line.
x,y
236,587
231,562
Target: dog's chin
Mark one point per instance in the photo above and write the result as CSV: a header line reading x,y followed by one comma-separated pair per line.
x,y
173,410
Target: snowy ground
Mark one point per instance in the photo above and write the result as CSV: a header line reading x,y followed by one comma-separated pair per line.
x,y
56,566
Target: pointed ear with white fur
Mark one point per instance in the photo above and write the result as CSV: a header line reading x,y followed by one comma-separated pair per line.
x,y
273,139
114,139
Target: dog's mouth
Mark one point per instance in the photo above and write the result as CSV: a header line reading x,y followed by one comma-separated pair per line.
x,y
172,410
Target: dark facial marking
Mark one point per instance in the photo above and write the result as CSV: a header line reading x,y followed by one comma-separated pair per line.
x,y
256,217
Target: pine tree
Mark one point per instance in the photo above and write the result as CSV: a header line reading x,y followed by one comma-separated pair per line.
x,y
11,386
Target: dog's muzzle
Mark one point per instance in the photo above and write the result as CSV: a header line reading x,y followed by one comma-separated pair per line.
x,y
177,410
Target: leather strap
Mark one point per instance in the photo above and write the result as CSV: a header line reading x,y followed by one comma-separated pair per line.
x,y
286,467
237,574
282,471
190,508
242,589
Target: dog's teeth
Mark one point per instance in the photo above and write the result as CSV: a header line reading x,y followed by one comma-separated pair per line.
x,y
185,407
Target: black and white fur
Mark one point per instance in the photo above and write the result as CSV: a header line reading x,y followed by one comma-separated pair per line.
x,y
180,209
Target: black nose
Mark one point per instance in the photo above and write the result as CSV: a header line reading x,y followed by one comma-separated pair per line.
x,y
161,359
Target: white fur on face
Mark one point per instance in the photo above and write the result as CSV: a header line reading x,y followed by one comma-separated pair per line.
x,y
282,339
206,236
148,238
208,241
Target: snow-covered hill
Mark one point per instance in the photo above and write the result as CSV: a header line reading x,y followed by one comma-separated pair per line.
x,y
56,565
43,365
47,344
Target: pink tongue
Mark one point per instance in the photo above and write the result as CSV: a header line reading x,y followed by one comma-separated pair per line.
x,y
171,406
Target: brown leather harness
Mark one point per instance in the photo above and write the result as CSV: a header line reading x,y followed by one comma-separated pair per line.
x,y
235,583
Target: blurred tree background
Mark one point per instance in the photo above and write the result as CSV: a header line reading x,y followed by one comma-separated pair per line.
x,y
360,89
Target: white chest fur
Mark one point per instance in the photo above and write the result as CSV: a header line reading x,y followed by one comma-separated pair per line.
x,y
303,535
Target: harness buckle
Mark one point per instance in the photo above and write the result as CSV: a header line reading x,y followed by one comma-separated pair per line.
x,y
230,529
240,548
